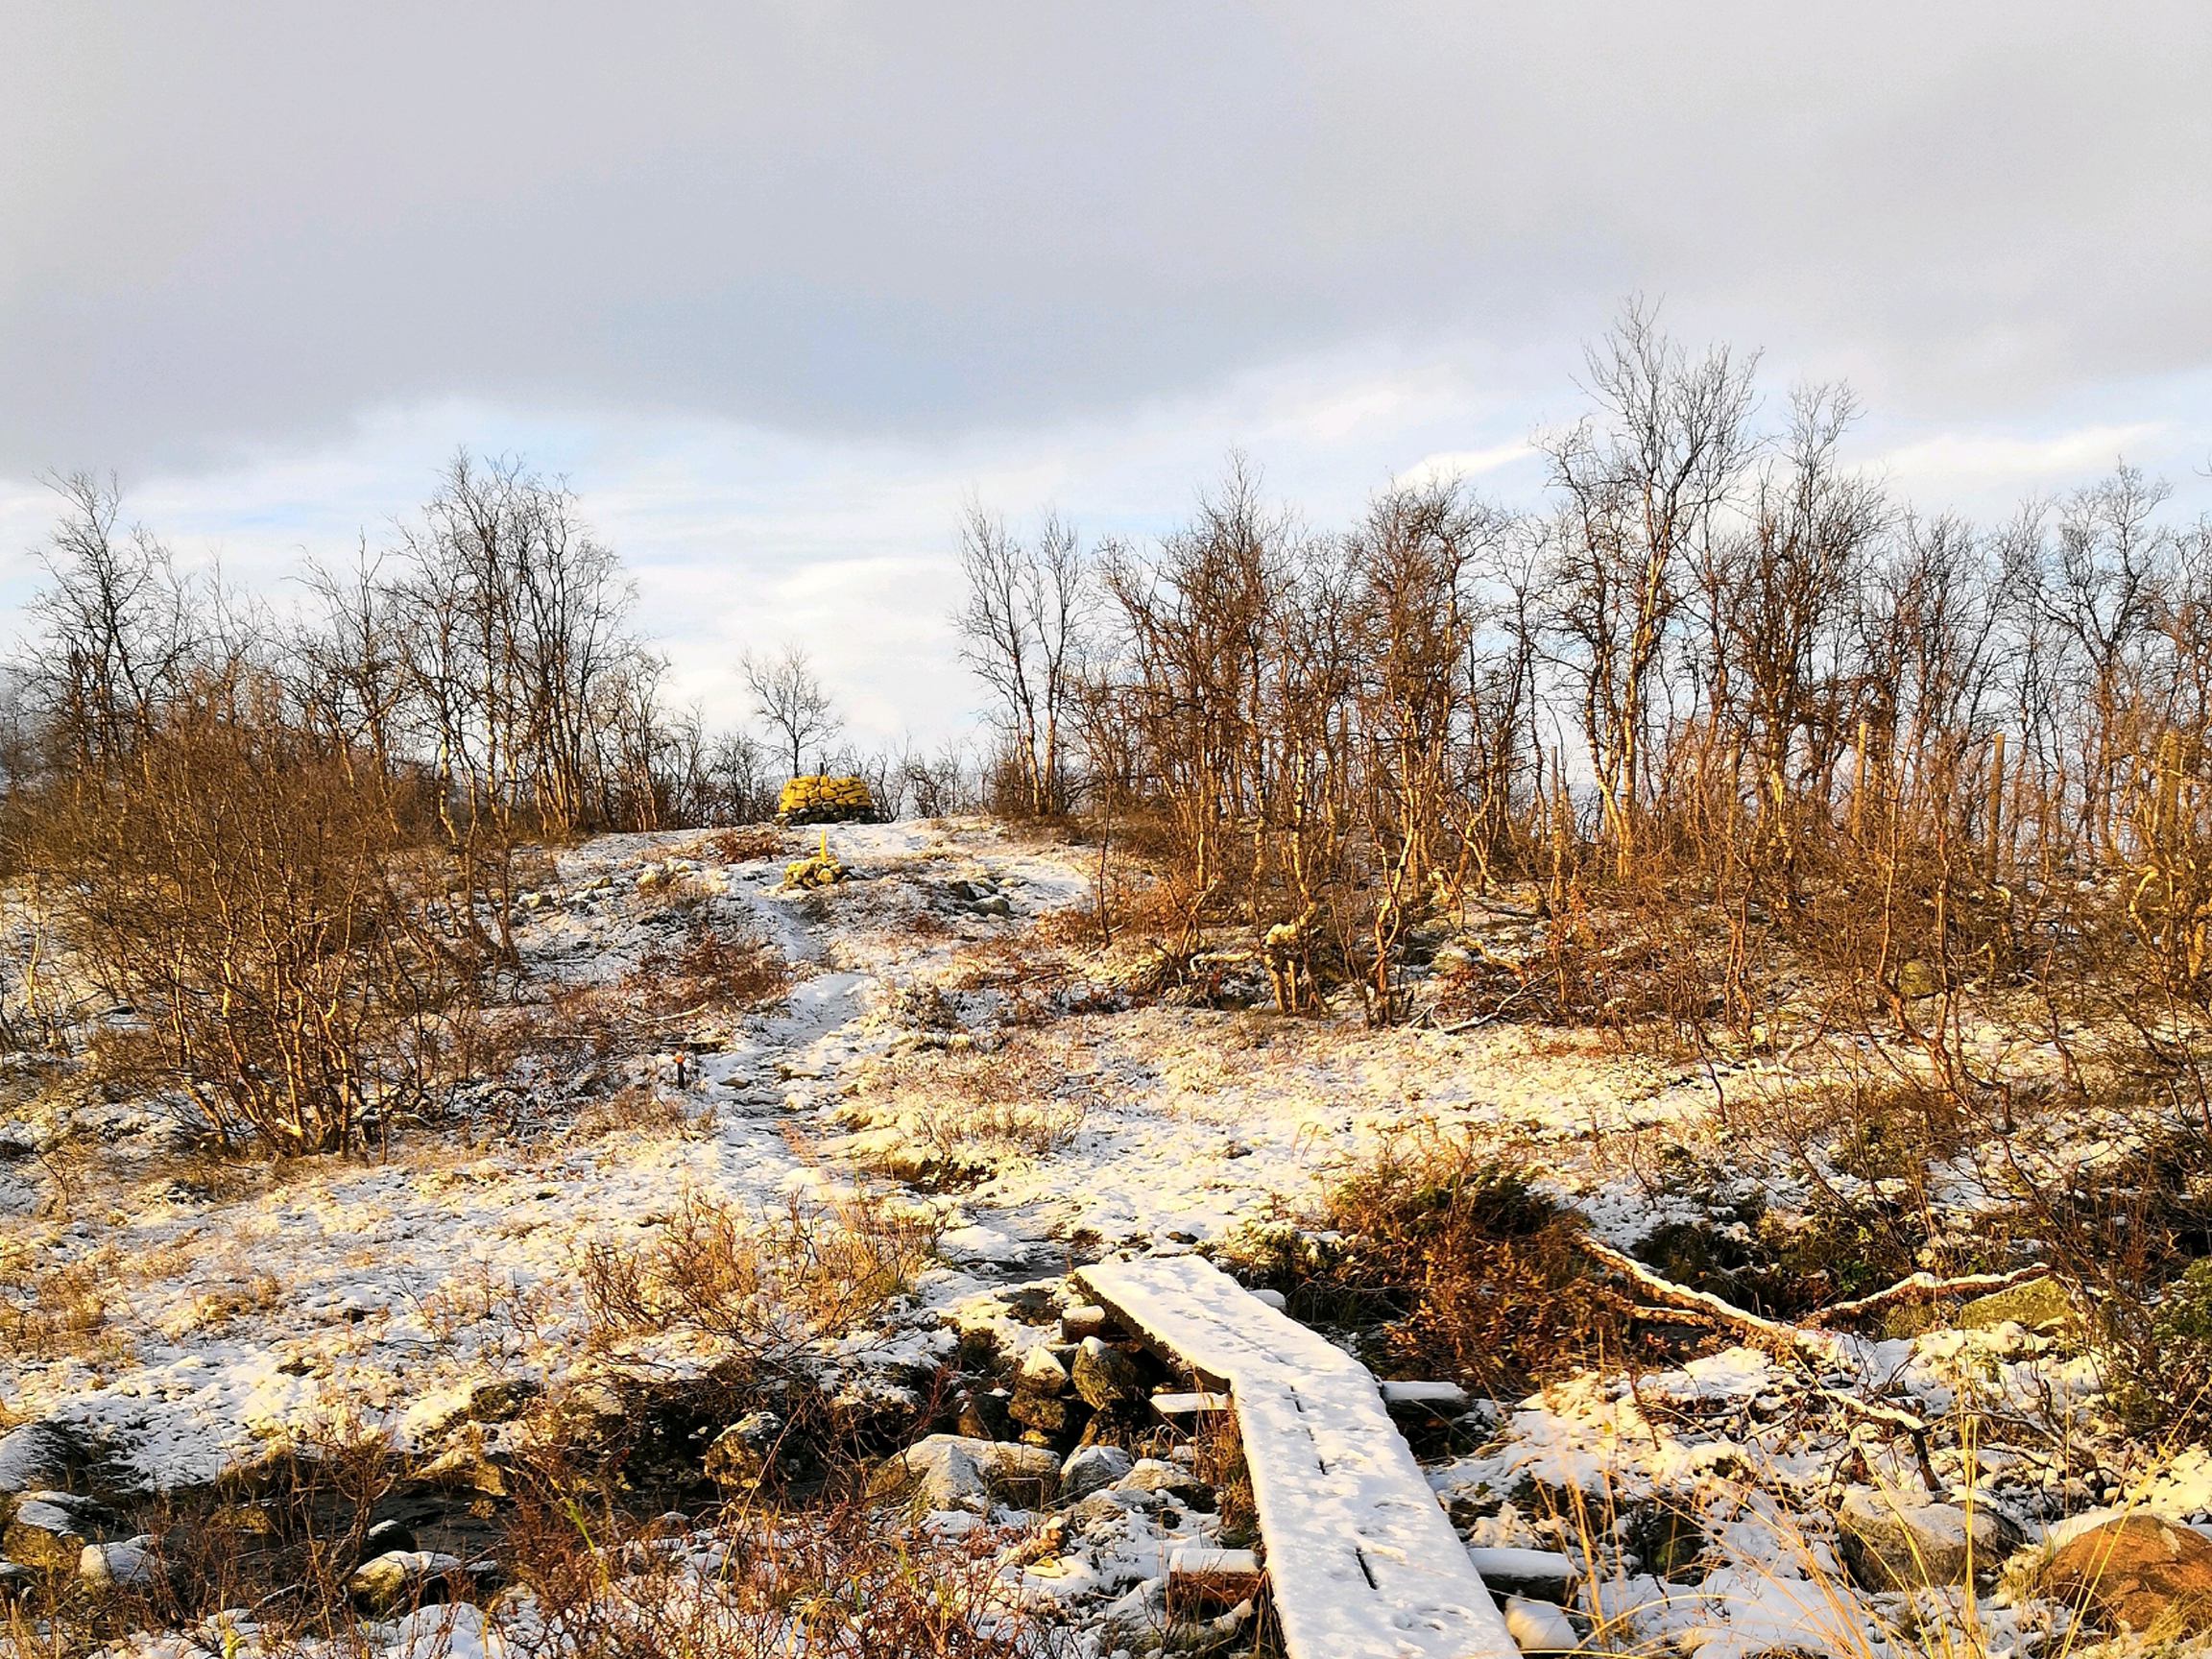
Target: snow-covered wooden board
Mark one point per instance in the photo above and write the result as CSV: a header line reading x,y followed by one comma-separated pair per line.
x,y
1360,1559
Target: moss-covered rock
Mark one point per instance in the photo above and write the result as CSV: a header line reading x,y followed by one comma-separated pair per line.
x,y
2036,1305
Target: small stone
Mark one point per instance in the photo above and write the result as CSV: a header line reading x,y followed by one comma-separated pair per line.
x,y
1891,1544
129,1564
1105,1509
985,1416
2141,1571
1539,1627
1051,1414
51,1529
1168,1481
1091,1468
386,1537
742,1453
1540,1575
1040,1373
465,1466
1120,1423
400,1578
1103,1375
950,1472
1917,978
1078,1323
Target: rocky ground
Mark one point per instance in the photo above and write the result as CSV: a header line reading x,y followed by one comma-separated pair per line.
x,y
880,1161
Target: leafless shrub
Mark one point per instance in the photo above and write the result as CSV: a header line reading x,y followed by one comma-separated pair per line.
x,y
1459,1268
234,883
746,844
710,971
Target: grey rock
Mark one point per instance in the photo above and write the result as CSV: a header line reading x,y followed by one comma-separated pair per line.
x,y
129,1564
1892,1543
984,1416
1040,1373
1091,1468
1047,1413
1545,1574
1088,1320
386,1537
1107,1510
1168,1480
953,1472
51,1529
742,1453
1103,1374
38,1456
400,1578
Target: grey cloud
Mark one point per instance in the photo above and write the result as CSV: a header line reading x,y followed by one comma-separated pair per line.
x,y
228,222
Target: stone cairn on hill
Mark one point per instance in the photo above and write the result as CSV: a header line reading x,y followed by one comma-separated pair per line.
x,y
819,798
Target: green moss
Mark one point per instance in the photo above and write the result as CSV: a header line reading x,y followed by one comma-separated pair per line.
x,y
2038,1303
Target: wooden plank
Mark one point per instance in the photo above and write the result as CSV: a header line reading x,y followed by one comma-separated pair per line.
x,y
1445,1399
1211,1578
1360,1560
1192,1405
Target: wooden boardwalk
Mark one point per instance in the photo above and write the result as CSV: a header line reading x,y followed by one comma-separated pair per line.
x,y
1360,1559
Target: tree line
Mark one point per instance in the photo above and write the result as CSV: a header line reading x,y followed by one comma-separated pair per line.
x,y
290,848
1719,670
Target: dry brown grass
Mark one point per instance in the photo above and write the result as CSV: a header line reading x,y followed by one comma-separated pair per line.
x,y
636,1109
740,844
52,1311
278,1536
834,1579
966,1109
708,971
773,1283
1072,929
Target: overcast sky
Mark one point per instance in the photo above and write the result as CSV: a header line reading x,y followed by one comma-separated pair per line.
x,y
776,286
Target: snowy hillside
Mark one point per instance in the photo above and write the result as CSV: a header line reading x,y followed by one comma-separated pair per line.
x,y
891,1156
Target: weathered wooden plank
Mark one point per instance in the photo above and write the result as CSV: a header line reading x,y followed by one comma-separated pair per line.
x,y
1198,1579
1195,1405
1360,1560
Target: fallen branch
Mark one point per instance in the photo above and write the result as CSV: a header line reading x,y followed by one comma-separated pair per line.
x,y
1898,1420
1927,1288
1809,1338
1774,1334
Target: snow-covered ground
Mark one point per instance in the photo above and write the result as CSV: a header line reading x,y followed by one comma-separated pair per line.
x,y
964,1069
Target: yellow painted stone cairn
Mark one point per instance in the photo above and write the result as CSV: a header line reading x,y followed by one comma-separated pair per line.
x,y
818,869
820,798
